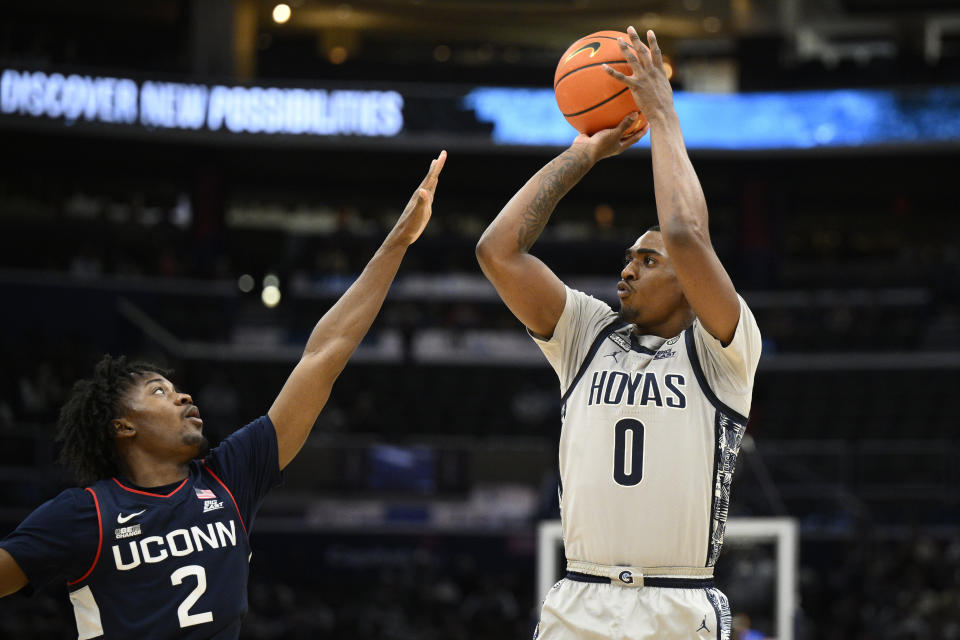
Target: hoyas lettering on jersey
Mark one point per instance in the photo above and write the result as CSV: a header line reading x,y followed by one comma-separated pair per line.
x,y
177,543
639,388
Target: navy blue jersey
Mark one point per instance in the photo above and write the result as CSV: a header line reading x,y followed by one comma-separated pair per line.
x,y
163,562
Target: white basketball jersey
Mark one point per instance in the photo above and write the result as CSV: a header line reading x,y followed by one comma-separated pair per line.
x,y
651,428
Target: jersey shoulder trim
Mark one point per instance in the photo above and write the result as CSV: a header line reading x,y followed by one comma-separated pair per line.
x,y
606,331
96,558
702,379
229,493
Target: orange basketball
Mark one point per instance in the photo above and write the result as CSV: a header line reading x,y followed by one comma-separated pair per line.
x,y
588,97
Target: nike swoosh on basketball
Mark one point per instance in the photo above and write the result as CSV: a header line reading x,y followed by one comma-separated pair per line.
x,y
593,47
122,518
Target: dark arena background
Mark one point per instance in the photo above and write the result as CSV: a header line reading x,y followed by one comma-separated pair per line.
x,y
197,182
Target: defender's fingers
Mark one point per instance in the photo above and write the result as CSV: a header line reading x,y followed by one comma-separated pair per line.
x,y
441,159
434,171
426,178
656,54
435,168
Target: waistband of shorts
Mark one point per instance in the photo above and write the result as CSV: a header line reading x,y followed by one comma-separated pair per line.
x,y
668,577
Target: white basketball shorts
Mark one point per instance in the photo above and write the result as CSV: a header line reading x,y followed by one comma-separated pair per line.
x,y
592,610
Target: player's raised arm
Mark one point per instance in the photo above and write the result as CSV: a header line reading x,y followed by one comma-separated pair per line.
x,y
681,206
341,329
528,287
12,578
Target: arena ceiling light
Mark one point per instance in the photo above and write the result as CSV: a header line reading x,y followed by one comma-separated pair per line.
x,y
281,13
270,296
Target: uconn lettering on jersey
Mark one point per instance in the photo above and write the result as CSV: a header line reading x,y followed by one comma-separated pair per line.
x,y
177,543
639,388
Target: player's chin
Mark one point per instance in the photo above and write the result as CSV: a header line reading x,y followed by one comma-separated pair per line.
x,y
197,443
627,313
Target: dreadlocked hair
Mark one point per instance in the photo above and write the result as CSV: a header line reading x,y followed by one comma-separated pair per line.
x,y
84,427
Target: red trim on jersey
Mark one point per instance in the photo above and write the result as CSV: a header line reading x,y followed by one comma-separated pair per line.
x,y
147,493
210,471
96,558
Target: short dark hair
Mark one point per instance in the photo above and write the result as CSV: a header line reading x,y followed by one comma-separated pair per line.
x,y
84,427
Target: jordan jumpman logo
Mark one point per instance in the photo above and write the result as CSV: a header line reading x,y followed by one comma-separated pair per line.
x,y
703,625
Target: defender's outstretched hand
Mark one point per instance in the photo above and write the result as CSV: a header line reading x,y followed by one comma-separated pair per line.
x,y
649,84
337,334
417,213
610,142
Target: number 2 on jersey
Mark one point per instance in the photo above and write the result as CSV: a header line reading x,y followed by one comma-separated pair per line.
x,y
635,430
188,619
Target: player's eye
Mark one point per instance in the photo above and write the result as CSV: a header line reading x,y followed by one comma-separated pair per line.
x,y
160,389
649,261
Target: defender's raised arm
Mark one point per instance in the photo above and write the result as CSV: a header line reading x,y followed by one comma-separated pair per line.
x,y
340,330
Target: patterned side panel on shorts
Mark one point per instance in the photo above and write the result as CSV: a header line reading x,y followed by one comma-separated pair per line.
x,y
729,433
536,630
721,606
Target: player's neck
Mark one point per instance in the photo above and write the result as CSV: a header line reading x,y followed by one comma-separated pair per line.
x,y
672,327
154,474
678,319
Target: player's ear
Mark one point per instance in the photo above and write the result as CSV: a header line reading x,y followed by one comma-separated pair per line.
x,y
122,428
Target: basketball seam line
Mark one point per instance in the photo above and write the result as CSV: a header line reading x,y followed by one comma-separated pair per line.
x,y
578,113
586,66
